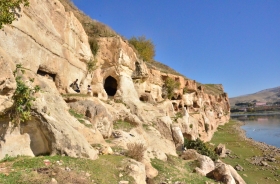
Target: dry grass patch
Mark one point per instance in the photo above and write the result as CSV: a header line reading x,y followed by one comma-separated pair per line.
x,y
136,151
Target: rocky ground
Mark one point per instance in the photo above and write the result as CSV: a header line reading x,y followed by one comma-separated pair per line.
x,y
255,161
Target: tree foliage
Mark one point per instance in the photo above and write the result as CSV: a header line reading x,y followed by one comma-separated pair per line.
x,y
23,98
9,10
200,147
144,47
169,86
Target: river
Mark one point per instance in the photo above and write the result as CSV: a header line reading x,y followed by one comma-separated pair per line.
x,y
262,128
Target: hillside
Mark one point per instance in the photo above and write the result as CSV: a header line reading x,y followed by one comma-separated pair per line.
x,y
95,30
267,96
71,87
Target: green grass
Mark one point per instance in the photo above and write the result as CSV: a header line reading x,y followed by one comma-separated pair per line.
x,y
244,150
75,95
105,170
176,169
80,117
122,125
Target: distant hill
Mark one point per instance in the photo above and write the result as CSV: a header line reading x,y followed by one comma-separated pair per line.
x,y
271,95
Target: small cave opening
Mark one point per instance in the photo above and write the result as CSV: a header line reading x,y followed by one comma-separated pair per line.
x,y
187,136
144,98
40,143
46,74
180,106
111,86
175,106
195,105
179,97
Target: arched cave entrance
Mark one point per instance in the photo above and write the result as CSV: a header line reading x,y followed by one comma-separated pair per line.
x,y
110,86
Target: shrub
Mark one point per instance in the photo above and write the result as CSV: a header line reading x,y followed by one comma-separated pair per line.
x,y
136,151
23,98
144,47
169,86
200,147
185,90
9,10
177,116
94,47
91,65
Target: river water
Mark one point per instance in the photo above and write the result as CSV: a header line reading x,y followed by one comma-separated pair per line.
x,y
262,128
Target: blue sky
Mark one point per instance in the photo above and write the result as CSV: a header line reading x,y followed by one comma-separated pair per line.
x,y
231,42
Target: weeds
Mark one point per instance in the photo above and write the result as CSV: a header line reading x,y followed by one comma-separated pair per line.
x,y
122,125
136,151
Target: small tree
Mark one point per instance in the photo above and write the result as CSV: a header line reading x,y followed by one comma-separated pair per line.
x,y
23,98
144,47
91,65
169,86
9,10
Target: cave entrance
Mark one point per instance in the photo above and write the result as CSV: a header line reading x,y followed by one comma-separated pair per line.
x,y
46,74
110,86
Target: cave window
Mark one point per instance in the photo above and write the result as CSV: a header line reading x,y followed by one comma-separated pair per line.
x,y
180,106
46,74
175,106
179,97
110,86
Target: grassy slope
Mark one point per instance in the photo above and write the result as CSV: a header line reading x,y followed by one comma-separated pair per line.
x,y
244,149
105,170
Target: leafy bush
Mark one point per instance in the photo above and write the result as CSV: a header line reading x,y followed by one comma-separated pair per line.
x,y
136,151
144,47
169,86
200,147
91,65
93,45
185,90
9,9
177,116
23,98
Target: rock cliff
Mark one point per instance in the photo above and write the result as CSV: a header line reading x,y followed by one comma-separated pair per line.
x,y
53,45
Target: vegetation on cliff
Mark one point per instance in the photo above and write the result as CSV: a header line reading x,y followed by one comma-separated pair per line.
x,y
23,98
144,47
9,10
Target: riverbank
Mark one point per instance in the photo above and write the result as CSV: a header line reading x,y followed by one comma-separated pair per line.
x,y
254,113
260,162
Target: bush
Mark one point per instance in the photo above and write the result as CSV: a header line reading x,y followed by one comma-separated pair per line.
x,y
23,98
144,47
169,86
93,43
9,9
91,65
200,147
136,151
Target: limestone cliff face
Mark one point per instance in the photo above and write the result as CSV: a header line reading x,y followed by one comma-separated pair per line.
x,y
54,46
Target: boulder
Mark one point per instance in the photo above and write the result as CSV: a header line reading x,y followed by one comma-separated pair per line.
x,y
221,150
189,154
